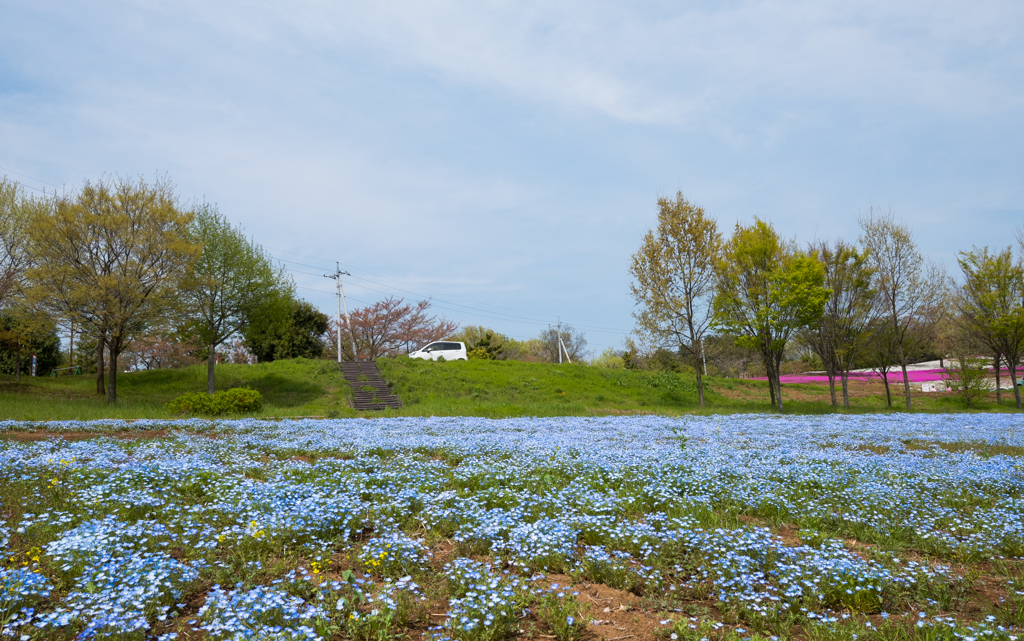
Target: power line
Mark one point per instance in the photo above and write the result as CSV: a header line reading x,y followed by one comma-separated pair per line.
x,y
483,313
502,315
30,178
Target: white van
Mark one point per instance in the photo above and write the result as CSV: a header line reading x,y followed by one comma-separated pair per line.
x,y
450,350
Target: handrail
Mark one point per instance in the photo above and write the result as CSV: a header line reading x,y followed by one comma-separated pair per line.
x,y
77,371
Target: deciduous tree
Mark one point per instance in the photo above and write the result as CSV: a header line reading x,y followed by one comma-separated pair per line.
x,y
225,286
574,341
909,291
111,258
767,289
674,278
286,328
840,333
391,326
16,209
991,304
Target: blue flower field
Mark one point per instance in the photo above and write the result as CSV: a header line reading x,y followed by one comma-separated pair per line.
x,y
717,528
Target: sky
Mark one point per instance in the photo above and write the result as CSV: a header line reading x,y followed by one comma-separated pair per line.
x,y
505,158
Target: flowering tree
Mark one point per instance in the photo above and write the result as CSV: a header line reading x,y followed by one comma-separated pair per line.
x,y
391,327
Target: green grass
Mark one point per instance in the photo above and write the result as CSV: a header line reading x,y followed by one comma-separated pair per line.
x,y
493,389
298,387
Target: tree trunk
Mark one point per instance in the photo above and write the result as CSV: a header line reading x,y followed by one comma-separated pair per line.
x,y
112,376
17,364
1013,381
100,390
209,369
999,391
846,391
696,366
768,360
832,386
906,382
778,383
888,393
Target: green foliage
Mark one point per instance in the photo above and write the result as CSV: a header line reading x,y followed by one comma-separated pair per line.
x,y
564,615
968,378
42,341
286,328
224,287
767,290
609,359
991,302
238,400
488,347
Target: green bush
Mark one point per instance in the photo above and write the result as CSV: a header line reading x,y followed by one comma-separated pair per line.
x,y
238,400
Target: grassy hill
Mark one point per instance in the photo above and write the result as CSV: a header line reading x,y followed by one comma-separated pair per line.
x,y
475,388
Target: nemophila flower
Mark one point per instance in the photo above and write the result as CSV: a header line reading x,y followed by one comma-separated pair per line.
x,y
598,497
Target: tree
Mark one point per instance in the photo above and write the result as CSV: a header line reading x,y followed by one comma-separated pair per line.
x,y
882,352
391,327
575,343
299,332
909,292
158,351
991,304
482,342
610,358
24,334
488,348
674,272
111,258
767,290
223,288
965,374
839,334
16,209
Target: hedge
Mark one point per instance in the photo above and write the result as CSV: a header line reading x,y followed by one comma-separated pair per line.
x,y
238,400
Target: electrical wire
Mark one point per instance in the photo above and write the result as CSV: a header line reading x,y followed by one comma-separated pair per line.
x,y
489,313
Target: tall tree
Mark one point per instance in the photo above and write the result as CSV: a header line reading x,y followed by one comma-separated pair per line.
x,y
991,303
674,272
767,289
909,292
111,257
840,333
16,209
223,288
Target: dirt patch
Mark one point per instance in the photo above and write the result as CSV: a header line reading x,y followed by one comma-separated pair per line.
x,y
615,614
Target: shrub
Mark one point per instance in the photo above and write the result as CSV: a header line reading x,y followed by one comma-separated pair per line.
x,y
238,400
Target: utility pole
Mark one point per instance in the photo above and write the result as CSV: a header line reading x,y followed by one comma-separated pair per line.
x,y
561,346
341,301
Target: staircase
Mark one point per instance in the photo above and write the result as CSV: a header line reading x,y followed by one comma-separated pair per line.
x,y
369,391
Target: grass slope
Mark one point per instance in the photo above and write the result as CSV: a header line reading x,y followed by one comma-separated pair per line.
x,y
495,389
513,388
298,387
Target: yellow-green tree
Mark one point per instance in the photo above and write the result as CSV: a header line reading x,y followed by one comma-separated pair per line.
x,y
991,304
767,290
16,209
111,257
674,279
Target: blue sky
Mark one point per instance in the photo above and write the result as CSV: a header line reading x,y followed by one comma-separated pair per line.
x,y
505,158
